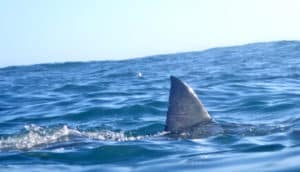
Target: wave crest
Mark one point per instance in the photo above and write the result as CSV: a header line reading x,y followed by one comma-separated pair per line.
x,y
36,136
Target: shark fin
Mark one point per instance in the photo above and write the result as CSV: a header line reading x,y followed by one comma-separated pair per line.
x,y
185,109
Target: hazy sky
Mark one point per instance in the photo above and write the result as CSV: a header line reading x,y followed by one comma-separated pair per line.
x,y
39,31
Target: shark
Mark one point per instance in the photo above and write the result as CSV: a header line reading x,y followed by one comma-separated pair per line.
x,y
187,116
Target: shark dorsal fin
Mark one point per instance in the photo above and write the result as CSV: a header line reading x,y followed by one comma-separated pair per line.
x,y
185,109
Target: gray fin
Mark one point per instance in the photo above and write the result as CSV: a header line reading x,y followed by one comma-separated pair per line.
x,y
185,109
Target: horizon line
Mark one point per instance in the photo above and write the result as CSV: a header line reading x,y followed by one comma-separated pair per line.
x,y
147,56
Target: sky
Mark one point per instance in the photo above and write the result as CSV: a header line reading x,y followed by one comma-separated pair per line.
x,y
42,31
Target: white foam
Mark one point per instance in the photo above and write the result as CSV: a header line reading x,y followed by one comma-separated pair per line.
x,y
42,136
35,136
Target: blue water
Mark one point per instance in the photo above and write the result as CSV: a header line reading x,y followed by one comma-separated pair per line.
x,y
110,115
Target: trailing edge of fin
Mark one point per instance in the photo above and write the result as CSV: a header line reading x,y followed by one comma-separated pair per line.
x,y
185,109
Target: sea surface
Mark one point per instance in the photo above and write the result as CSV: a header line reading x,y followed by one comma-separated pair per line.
x,y
110,115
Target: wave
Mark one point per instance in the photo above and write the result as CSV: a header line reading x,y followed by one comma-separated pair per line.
x,y
37,136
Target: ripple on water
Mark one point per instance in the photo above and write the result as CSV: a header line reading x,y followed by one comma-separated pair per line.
x,y
80,115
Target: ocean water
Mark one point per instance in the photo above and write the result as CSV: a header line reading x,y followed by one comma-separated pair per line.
x,y
110,115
